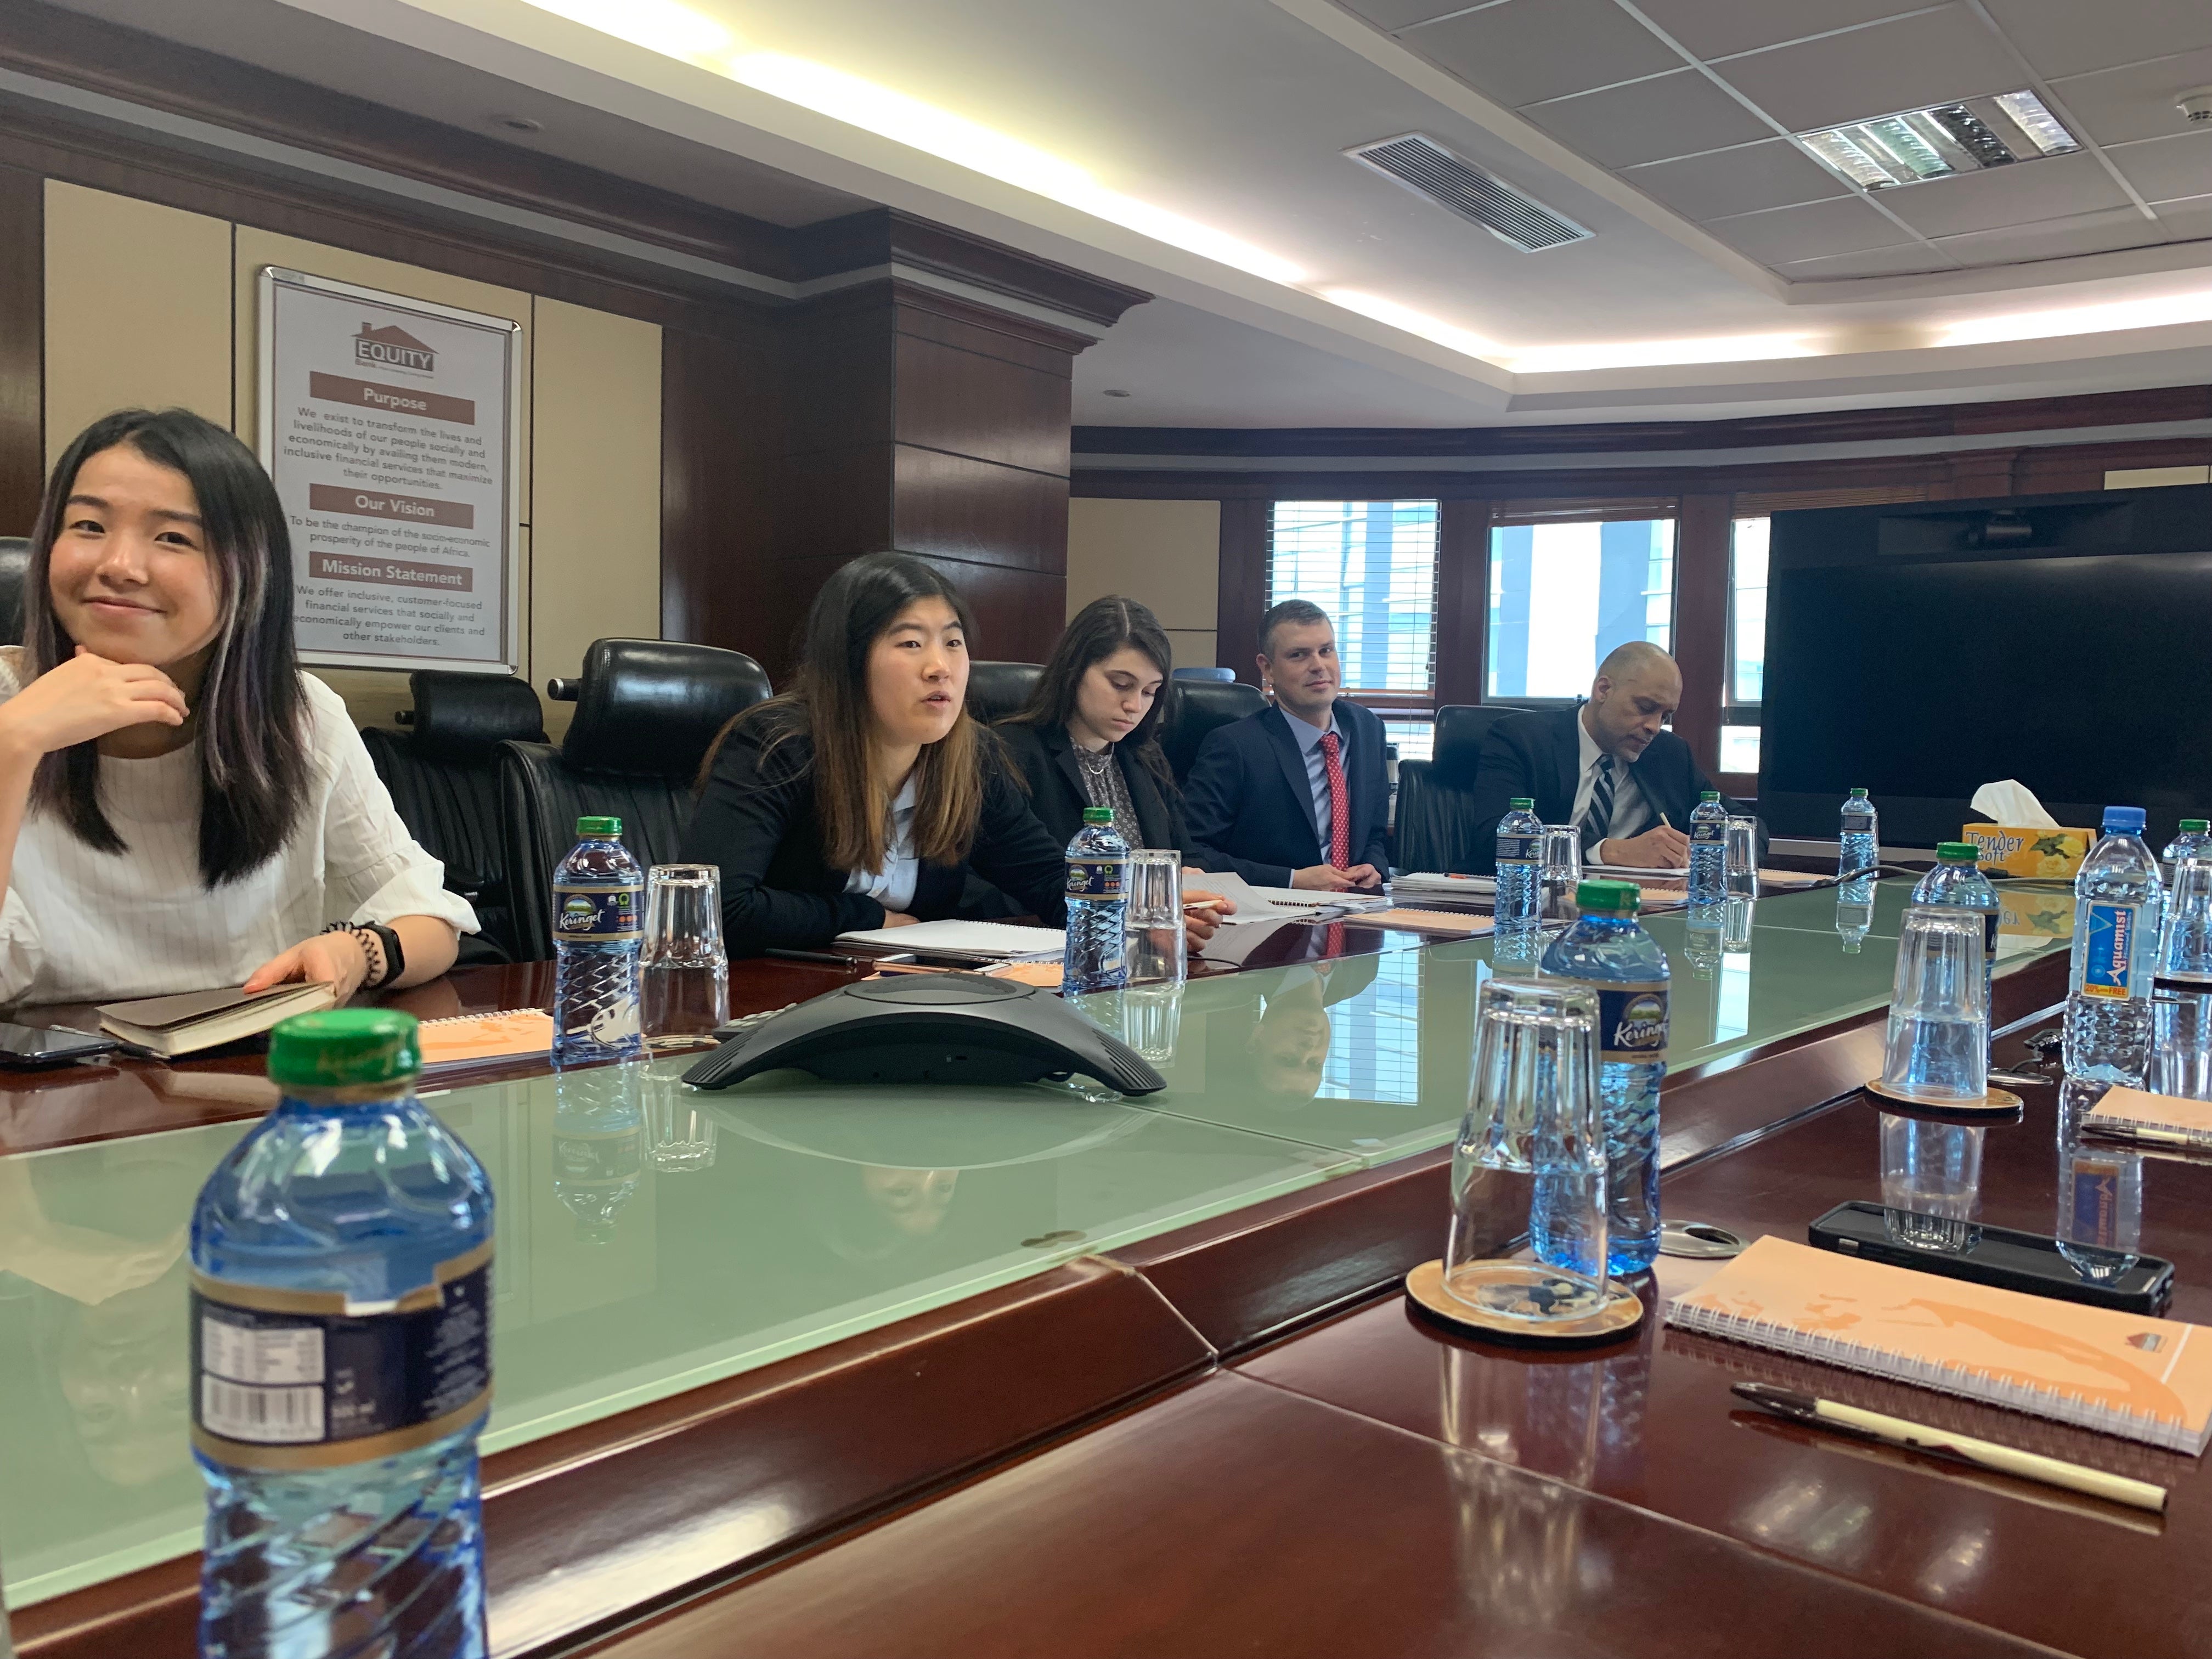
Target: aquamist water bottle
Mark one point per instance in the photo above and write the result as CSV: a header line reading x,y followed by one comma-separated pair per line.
x,y
2118,904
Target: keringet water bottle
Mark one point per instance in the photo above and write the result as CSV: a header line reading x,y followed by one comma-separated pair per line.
x,y
1518,902
1608,949
2118,905
1098,905
1957,879
2181,1017
1859,832
2195,834
598,925
341,1360
1709,849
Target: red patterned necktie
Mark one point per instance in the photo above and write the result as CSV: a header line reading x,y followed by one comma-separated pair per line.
x,y
1339,804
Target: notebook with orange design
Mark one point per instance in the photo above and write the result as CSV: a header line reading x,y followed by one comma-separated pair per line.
x,y
2146,1379
474,1039
1424,921
2139,1114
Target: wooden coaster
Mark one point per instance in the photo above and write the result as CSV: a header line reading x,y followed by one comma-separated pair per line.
x,y
1996,1104
1621,1312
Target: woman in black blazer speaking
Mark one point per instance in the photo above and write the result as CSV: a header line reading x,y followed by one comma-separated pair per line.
x,y
1089,735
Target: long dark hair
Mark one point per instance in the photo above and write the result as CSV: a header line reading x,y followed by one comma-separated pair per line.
x,y
250,712
1098,630
829,703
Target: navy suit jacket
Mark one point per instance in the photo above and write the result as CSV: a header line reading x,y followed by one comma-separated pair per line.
x,y
1250,808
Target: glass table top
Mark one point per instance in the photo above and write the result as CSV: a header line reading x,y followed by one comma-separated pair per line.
x,y
652,1238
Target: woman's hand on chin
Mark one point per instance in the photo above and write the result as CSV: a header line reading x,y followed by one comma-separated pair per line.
x,y
335,959
87,697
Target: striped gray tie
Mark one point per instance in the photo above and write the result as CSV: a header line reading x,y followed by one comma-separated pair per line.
x,y
1597,822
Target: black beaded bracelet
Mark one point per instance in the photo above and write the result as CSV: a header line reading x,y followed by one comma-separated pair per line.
x,y
387,952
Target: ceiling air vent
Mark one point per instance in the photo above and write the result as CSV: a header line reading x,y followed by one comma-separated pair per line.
x,y
1427,168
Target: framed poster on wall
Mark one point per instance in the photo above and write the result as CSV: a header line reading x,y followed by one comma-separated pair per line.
x,y
389,426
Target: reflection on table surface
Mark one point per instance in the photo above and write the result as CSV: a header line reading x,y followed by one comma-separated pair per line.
x,y
652,1238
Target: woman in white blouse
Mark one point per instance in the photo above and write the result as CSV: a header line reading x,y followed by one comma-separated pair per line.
x,y
180,807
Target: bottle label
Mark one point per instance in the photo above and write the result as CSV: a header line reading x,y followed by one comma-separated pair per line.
x,y
1709,835
304,1380
1631,1022
1096,878
1518,849
2108,951
596,912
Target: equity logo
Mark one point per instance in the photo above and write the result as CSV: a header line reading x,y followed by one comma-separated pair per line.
x,y
392,347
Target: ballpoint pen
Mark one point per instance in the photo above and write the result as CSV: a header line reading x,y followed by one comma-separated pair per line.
x,y
1941,1443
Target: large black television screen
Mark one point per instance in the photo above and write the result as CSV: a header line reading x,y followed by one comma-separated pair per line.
x,y
1924,651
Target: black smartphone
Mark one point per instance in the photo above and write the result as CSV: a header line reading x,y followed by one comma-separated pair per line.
x,y
2033,1262
28,1047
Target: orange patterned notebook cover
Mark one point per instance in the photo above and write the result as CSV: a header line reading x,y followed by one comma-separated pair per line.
x,y
472,1037
1424,921
2126,1373
2126,1111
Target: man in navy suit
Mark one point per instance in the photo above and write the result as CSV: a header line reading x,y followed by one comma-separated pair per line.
x,y
1296,795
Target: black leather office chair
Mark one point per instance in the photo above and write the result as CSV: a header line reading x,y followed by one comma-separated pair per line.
x,y
996,690
1436,828
1206,672
14,561
1194,709
442,771
646,712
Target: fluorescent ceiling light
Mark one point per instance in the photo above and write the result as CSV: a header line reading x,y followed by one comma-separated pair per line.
x,y
1413,322
1652,353
2083,319
1941,140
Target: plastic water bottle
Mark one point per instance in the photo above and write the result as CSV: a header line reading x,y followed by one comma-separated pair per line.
x,y
1608,949
598,924
1518,902
1854,916
341,1360
1709,849
2118,903
1704,928
1098,903
2181,1016
1860,834
2196,833
1958,879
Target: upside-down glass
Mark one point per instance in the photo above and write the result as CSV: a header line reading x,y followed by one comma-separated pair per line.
x,y
686,990
1561,870
1155,949
1937,1048
1742,862
1533,1110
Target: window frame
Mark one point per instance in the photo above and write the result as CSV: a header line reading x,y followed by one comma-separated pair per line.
x,y
1390,703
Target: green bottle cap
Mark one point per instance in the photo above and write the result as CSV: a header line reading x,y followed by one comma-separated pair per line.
x,y
339,1048
599,829
1858,794
1528,804
1710,794
1098,815
1958,852
2196,826
1616,897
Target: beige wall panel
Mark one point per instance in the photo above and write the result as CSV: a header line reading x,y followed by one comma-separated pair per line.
x,y
595,536
137,310
1195,648
2155,477
1167,554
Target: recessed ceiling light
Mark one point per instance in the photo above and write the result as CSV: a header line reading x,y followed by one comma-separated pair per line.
x,y
1653,354
2083,319
518,123
1113,392
1942,139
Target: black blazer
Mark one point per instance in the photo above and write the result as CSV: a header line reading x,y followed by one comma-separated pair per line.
x,y
1540,754
755,820
1251,809
1045,758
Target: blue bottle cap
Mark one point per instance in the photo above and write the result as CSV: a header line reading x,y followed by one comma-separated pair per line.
x,y
2123,820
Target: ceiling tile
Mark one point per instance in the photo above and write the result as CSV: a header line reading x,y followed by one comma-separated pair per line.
x,y
1399,14
1713,29
1770,175
2187,222
1677,114
2058,187
2055,239
2065,37
2115,105
1527,51
1903,64
1846,225
1909,259
2167,168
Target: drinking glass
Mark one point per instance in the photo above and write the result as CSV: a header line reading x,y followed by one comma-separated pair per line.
x,y
678,1136
1931,1182
1561,870
1737,917
686,993
1742,858
1155,947
1937,1048
1533,1109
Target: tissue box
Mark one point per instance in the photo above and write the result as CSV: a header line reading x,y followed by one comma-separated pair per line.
x,y
2027,851
2034,914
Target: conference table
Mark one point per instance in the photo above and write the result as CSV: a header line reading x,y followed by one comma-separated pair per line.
x,y
814,1369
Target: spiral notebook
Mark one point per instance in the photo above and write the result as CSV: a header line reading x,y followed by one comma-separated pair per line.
x,y
2125,1374
2138,1114
486,1039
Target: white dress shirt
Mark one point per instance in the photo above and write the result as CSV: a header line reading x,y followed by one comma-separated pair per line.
x,y
1628,811
893,885
1309,737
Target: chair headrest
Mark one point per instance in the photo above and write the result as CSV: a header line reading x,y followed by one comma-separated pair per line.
x,y
996,690
652,706
14,563
1208,671
466,717
1460,728
1196,708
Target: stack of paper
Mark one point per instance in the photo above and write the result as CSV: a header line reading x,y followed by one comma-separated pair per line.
x,y
1279,904
970,941
1433,884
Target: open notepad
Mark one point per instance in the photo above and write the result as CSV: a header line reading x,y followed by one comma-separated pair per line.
x,y
2126,1373
2138,1114
972,941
